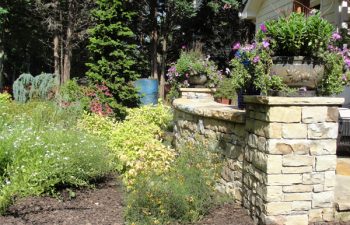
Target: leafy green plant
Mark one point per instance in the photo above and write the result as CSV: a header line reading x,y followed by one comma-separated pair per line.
x,y
5,97
192,63
297,35
183,194
251,70
41,149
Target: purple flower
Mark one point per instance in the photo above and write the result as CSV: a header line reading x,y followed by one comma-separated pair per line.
x,y
256,59
347,62
344,78
336,36
265,44
236,46
263,28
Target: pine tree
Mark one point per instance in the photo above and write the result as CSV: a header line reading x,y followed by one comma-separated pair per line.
x,y
113,53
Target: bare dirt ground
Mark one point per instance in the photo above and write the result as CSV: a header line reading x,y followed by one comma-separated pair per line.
x,y
100,206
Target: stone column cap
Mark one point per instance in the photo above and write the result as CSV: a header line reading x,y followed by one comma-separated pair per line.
x,y
198,90
309,101
210,109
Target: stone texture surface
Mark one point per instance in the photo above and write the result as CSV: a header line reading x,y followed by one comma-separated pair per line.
x,y
279,155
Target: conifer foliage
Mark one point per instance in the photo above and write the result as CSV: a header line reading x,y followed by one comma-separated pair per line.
x,y
113,53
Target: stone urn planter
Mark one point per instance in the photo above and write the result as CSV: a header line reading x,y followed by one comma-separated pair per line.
x,y
298,71
197,80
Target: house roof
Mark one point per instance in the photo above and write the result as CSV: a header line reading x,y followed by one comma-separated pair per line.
x,y
251,9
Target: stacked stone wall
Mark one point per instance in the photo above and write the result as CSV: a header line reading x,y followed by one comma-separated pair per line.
x,y
280,155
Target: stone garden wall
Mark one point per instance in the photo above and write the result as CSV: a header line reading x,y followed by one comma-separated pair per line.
x,y
280,154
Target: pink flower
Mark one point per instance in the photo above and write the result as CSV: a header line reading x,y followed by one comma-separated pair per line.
x,y
265,44
263,28
256,59
236,46
336,36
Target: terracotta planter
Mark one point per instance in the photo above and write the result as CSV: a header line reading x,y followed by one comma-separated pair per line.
x,y
298,71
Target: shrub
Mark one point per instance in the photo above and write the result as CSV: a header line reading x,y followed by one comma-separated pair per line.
x,y
37,155
27,87
5,98
135,143
183,194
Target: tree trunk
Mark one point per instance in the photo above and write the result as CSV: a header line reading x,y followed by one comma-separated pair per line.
x,y
67,56
56,54
154,36
68,48
2,57
164,56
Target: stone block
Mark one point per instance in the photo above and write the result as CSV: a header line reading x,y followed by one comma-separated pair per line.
x,y
323,147
270,193
297,188
314,114
332,114
330,180
313,178
315,215
328,214
259,160
290,114
301,205
253,140
261,145
274,164
297,160
294,131
285,147
284,179
323,131
260,128
278,208
326,162
297,220
288,197
294,170
323,199
318,188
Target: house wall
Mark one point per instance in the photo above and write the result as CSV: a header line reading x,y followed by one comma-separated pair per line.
x,y
271,9
330,11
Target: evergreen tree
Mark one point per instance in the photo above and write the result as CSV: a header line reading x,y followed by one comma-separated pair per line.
x,y
113,53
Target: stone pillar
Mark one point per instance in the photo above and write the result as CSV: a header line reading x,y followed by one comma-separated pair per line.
x,y
198,93
290,160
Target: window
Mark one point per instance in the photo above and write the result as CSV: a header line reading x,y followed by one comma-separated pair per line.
x,y
301,6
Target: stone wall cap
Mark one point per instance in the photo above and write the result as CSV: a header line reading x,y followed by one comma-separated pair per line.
x,y
200,90
272,100
210,109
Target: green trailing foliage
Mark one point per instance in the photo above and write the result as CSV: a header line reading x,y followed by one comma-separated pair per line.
x,y
28,87
113,54
41,149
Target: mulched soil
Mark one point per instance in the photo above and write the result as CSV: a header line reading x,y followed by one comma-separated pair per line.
x,y
100,206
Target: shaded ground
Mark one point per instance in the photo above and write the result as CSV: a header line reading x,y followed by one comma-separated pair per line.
x,y
100,206
96,206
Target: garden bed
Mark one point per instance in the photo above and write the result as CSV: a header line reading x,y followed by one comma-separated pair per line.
x,y
102,205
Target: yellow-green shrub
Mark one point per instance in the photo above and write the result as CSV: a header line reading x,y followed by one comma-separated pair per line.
x,y
5,97
135,142
95,124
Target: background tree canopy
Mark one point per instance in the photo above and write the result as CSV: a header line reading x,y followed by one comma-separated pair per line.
x,y
51,36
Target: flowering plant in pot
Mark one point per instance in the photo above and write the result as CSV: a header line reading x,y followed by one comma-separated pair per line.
x,y
301,53
251,66
192,69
